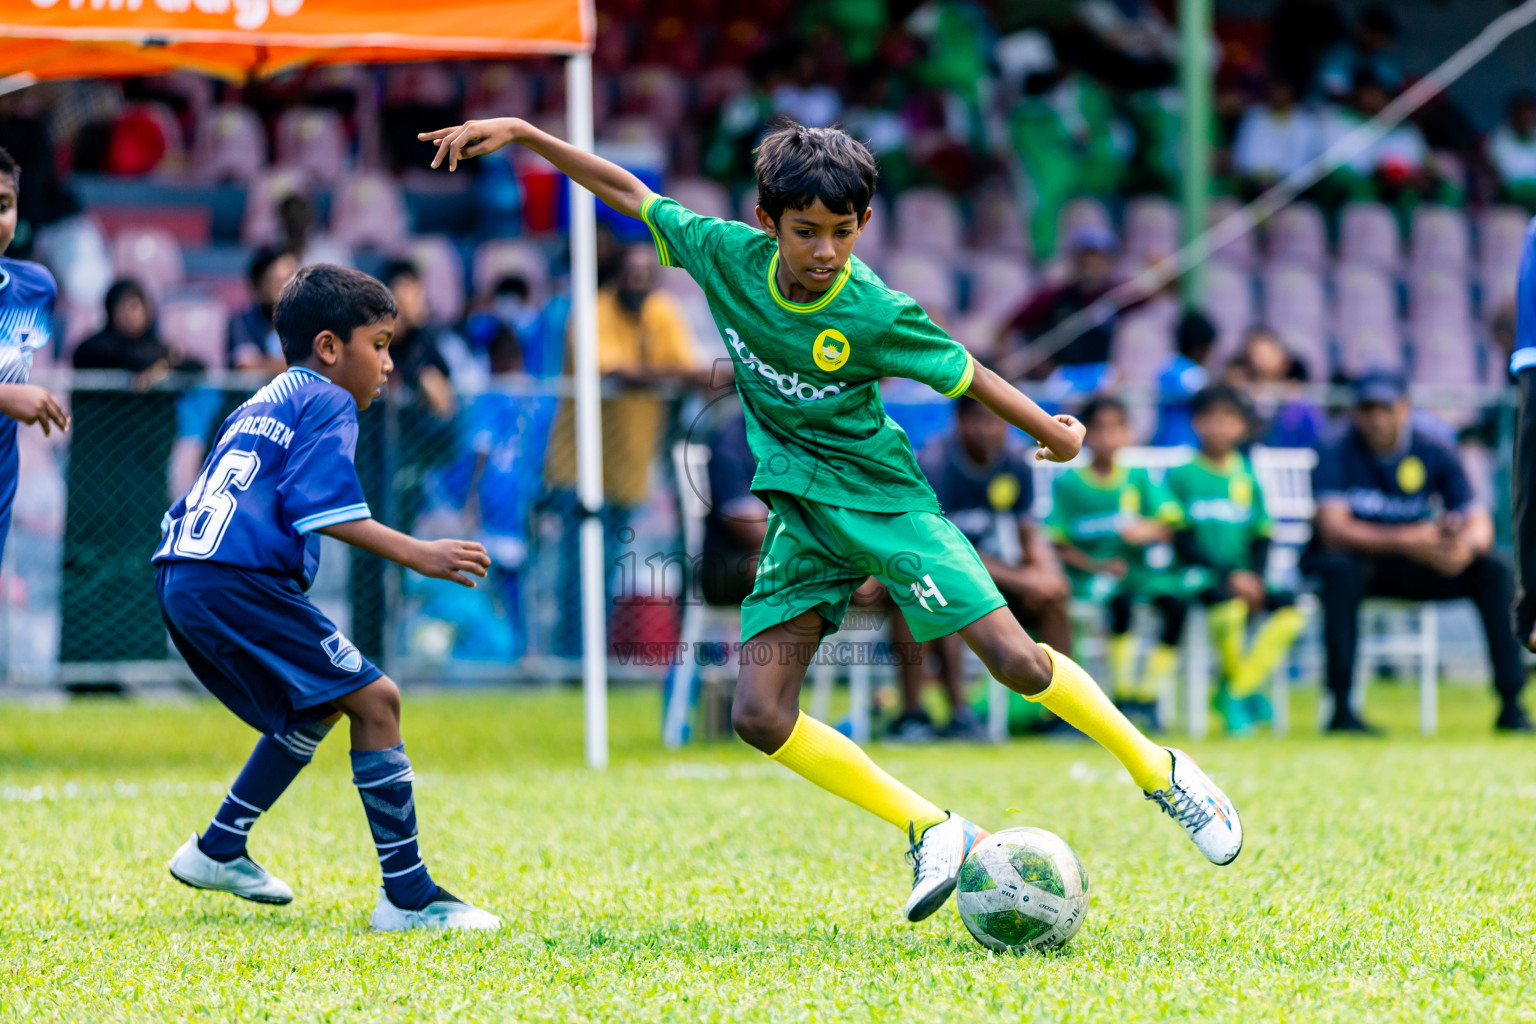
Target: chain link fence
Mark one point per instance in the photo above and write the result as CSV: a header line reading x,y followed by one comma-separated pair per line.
x,y
77,601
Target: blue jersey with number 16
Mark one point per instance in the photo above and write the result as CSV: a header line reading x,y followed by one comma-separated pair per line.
x,y
280,469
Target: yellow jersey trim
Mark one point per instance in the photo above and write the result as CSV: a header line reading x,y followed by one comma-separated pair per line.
x,y
805,307
662,253
965,379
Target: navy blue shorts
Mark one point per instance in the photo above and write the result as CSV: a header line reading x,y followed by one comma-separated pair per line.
x,y
258,644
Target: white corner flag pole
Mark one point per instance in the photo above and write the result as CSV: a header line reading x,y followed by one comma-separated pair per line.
x,y
589,423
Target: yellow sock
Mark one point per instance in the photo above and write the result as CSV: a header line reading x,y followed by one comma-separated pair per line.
x,y
1076,699
836,764
1161,664
1122,665
1274,639
1226,622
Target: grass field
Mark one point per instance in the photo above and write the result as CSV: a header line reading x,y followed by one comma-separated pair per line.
x,y
1382,881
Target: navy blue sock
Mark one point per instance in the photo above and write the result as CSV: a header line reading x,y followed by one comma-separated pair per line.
x,y
271,768
383,780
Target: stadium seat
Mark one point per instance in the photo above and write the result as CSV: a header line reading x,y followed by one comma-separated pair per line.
x,y
150,256
1141,346
1441,240
1438,300
658,94
1151,229
313,140
442,275
258,223
1365,320
1501,236
231,145
999,285
1229,304
197,325
1294,308
998,226
500,257
496,90
1445,359
707,198
1377,347
1368,236
145,138
424,84
927,280
369,212
929,219
1298,235
878,234
1084,211
1240,252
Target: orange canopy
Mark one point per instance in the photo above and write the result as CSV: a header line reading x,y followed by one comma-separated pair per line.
x,y
237,39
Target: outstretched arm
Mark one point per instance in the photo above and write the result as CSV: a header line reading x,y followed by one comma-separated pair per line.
x,y
1060,437
603,178
439,559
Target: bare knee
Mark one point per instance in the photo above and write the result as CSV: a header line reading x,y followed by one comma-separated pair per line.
x,y
761,723
377,704
1025,669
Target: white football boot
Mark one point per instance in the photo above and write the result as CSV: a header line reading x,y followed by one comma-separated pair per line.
x,y
446,911
242,876
936,860
1198,804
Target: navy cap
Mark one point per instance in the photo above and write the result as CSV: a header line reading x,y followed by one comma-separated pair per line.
x,y
1380,387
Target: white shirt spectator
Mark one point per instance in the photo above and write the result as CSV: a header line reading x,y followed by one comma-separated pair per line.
x,y
1512,156
1273,143
1403,146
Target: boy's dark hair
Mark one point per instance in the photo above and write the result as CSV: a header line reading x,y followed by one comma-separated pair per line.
x,y
261,262
1100,404
1214,396
797,165
513,284
1196,336
325,297
10,168
395,269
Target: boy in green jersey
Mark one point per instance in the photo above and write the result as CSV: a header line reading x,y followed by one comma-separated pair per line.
x,y
1222,543
1105,519
811,331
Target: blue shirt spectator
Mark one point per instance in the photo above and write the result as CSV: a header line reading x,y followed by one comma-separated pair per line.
x,y
1183,375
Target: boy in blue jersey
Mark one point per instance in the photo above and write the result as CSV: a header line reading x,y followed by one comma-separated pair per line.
x,y
27,295
238,552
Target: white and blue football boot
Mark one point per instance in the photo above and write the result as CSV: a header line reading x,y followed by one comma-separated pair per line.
x,y
1202,809
936,860
446,911
241,877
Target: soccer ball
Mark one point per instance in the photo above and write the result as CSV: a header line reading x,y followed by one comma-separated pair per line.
x,y
1022,889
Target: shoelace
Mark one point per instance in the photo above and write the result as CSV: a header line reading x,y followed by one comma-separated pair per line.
x,y
1182,808
920,865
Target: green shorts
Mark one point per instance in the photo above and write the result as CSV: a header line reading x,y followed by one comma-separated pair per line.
x,y
815,556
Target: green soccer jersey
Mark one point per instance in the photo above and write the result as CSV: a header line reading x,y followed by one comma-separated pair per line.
x,y
1088,511
808,373
1223,506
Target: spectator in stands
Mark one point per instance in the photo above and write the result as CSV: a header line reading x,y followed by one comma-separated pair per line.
x,y
297,220
643,340
984,481
1301,33
1396,518
1512,150
1222,543
1112,527
1266,372
802,94
417,351
1184,375
130,342
1093,251
506,434
1367,49
253,343
737,519
1274,139
1391,169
